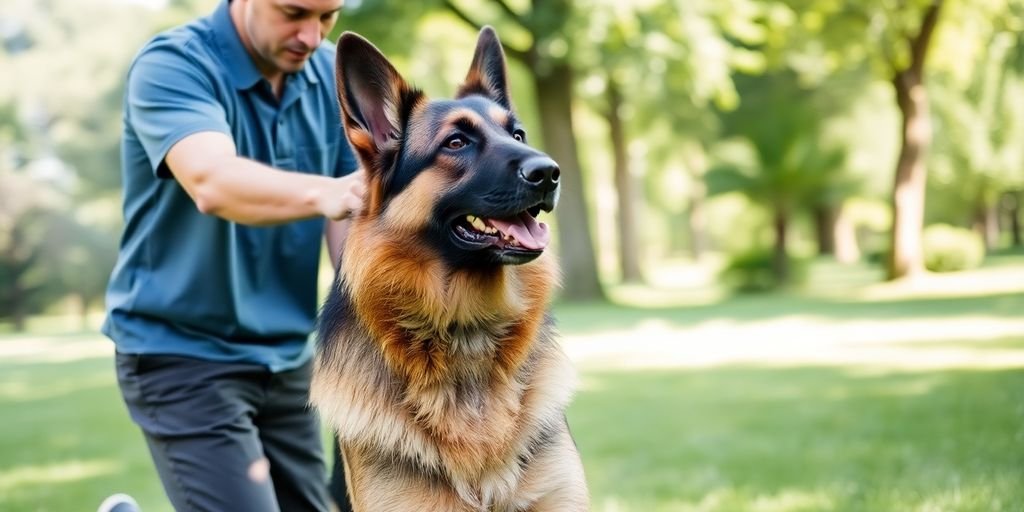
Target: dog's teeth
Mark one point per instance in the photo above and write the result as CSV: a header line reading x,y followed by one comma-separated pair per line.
x,y
471,219
478,224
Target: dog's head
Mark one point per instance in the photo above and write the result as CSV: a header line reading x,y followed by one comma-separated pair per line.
x,y
456,172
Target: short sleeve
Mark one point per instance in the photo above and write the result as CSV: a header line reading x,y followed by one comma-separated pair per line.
x,y
169,96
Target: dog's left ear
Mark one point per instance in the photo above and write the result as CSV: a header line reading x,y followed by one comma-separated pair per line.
x,y
373,96
488,75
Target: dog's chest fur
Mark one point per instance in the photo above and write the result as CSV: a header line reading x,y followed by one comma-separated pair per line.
x,y
475,430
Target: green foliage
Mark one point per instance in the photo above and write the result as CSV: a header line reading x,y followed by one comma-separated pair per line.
x,y
979,120
791,165
26,209
754,271
951,249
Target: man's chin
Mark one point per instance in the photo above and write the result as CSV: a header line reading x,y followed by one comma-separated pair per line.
x,y
290,65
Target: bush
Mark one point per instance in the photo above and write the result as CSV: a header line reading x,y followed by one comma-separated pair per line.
x,y
949,248
752,271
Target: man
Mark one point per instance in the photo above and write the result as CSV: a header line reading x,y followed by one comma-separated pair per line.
x,y
232,159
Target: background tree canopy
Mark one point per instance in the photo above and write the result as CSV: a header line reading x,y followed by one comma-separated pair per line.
x,y
687,130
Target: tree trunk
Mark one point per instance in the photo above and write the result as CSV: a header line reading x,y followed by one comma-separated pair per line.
x,y
629,247
986,224
18,313
84,303
780,258
845,235
553,88
15,265
1013,212
695,226
695,158
905,256
824,228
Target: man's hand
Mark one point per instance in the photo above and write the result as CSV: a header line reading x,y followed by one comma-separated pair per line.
x,y
344,197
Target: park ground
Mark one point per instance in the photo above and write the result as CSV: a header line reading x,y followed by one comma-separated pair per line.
x,y
849,395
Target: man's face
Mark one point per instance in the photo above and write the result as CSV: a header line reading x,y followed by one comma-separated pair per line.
x,y
284,33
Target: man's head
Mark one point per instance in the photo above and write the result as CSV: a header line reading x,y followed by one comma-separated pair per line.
x,y
282,34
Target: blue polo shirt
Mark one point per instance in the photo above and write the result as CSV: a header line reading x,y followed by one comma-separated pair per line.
x,y
197,285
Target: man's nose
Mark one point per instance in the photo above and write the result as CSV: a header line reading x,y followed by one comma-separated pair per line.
x,y
310,33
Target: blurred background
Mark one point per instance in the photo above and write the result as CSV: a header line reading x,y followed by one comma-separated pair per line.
x,y
790,233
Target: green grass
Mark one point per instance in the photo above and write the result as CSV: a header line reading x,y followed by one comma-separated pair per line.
x,y
848,397
808,438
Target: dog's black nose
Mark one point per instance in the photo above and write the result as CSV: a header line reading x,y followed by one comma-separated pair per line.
x,y
541,172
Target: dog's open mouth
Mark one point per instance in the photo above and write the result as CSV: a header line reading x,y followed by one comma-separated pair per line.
x,y
520,232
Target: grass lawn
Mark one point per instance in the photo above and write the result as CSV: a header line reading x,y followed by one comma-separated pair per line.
x,y
863,398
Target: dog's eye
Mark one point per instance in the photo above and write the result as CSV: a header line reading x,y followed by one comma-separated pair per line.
x,y
456,142
519,135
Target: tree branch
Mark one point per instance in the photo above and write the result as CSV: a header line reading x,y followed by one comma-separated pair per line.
x,y
522,56
511,14
462,15
919,45
515,53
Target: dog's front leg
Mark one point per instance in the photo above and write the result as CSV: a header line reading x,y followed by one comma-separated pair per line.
x,y
554,480
379,484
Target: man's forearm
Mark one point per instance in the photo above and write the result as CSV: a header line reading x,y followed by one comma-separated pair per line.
x,y
249,192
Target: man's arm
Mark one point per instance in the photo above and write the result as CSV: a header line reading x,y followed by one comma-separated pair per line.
x,y
241,190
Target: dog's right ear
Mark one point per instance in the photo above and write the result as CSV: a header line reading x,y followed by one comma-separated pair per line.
x,y
374,98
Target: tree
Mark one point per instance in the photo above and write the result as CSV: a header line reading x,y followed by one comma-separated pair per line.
x,y
905,257
668,63
629,245
791,169
25,208
980,116
59,139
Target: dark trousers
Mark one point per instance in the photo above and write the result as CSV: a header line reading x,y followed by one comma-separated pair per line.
x,y
227,436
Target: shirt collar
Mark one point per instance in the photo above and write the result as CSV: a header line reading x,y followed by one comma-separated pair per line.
x,y
237,61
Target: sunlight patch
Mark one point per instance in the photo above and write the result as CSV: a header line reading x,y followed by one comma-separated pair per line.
x,y
961,342
55,473
54,349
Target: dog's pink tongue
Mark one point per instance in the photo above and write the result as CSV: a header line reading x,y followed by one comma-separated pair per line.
x,y
525,229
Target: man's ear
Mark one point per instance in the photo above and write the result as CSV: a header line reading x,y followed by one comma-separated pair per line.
x,y
374,98
488,75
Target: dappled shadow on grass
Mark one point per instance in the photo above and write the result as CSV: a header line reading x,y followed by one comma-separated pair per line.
x,y
802,438
596,317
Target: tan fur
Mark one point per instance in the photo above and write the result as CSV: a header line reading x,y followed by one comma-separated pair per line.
x,y
410,211
499,115
444,385
402,297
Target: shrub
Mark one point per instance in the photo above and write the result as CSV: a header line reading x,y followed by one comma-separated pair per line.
x,y
752,271
949,248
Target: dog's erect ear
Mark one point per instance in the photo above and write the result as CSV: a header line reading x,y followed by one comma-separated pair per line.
x,y
488,74
374,98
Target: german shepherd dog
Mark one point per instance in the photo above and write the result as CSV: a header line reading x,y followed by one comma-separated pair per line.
x,y
436,363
